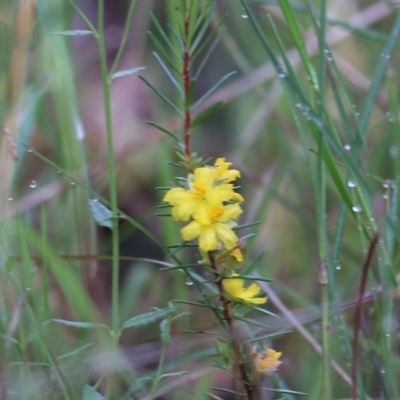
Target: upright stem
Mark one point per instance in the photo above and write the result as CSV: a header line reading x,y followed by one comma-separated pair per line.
x,y
112,175
326,356
186,85
244,376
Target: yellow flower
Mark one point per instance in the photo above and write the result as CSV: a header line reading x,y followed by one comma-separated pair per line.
x,y
267,362
202,194
212,226
223,172
235,290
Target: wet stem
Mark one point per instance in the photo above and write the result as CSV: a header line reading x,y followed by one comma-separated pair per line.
x,y
186,88
238,357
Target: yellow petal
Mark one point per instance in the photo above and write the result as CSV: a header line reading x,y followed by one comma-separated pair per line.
x,y
205,176
232,211
252,290
208,239
191,231
256,300
184,210
226,235
233,286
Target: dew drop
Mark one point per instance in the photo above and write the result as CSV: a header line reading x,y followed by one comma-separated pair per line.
x,y
28,288
357,208
244,16
282,75
351,184
338,266
95,199
385,196
347,147
387,335
72,183
9,198
30,150
386,185
189,282
33,184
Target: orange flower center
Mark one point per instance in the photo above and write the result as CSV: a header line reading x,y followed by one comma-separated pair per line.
x,y
216,212
200,188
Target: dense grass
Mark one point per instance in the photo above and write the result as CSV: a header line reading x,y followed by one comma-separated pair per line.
x,y
310,118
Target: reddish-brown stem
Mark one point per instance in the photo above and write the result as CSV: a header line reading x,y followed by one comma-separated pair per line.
x,y
358,314
235,343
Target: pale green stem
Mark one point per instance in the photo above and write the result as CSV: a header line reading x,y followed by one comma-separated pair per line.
x,y
112,175
326,356
157,378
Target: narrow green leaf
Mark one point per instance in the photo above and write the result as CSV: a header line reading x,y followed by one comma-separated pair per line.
x,y
169,74
286,391
161,95
206,57
161,49
193,303
175,374
148,318
269,336
75,352
100,213
83,325
203,29
378,76
212,90
164,35
251,278
72,33
127,72
165,130
250,224
206,113
298,39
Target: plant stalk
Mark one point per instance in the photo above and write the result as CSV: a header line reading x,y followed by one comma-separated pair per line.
x,y
112,175
244,376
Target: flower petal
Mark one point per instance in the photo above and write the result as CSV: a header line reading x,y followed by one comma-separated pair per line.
x,y
232,211
226,235
208,238
191,231
252,290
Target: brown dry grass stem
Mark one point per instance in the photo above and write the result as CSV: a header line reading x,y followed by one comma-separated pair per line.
x,y
358,314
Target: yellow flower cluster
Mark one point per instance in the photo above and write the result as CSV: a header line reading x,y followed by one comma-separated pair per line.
x,y
267,362
210,204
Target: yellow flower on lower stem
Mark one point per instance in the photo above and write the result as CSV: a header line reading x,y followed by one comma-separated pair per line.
x,y
213,227
235,290
267,362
